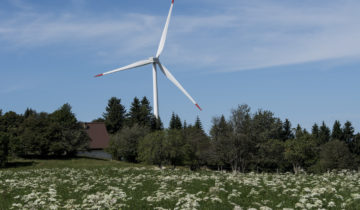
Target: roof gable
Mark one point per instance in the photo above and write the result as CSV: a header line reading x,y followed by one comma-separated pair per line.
x,y
98,134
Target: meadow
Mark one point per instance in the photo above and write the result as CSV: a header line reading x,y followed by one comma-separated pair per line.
x,y
98,184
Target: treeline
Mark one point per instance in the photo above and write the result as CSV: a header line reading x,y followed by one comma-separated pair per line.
x,y
41,135
261,142
244,142
117,117
137,136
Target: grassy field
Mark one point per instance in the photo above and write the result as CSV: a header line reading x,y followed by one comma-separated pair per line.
x,y
98,184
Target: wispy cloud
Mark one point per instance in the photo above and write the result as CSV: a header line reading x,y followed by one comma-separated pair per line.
x,y
20,4
242,36
11,89
267,34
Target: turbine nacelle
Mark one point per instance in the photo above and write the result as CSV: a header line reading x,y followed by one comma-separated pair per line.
x,y
154,59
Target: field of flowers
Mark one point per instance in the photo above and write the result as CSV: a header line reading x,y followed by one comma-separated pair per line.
x,y
132,187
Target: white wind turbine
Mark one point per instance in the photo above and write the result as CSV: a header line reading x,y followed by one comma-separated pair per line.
x,y
155,61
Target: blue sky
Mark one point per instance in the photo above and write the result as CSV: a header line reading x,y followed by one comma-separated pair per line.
x,y
299,59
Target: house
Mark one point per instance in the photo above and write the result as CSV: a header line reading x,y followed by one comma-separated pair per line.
x,y
99,141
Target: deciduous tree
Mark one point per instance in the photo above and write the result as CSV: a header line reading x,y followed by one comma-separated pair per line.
x,y
124,144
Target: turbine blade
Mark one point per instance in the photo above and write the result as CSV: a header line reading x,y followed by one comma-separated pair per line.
x,y
164,34
133,65
173,80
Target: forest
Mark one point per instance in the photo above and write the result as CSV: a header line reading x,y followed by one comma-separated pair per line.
x,y
244,141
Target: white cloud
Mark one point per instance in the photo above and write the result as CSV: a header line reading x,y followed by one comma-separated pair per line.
x,y
271,34
244,36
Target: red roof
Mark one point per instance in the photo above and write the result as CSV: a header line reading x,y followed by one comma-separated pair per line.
x,y
98,135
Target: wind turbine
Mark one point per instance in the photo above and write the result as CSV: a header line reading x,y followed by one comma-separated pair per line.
x,y
155,61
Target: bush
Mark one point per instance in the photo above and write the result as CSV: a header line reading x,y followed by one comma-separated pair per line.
x,y
124,144
151,148
196,148
334,155
4,142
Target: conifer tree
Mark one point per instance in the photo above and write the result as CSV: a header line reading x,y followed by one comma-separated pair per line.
x,y
175,122
145,113
29,112
156,124
336,131
65,133
198,124
324,134
315,131
114,115
135,112
220,128
172,121
65,117
299,132
287,131
348,132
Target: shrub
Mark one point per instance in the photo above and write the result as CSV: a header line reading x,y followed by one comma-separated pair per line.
x,y
124,144
334,155
152,150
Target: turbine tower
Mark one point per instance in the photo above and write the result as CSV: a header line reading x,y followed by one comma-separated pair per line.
x,y
155,61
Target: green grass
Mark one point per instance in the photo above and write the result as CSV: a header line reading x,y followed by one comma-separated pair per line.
x,y
23,164
99,184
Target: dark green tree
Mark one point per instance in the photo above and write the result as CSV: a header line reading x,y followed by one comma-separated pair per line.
x,y
175,122
315,132
241,145
35,135
10,123
337,131
156,124
300,152
324,134
4,149
220,135
355,146
298,131
271,154
152,150
185,125
219,128
65,117
287,131
124,144
134,115
265,126
114,115
348,132
334,155
145,113
198,124
197,147
65,134
174,146
98,120
29,112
